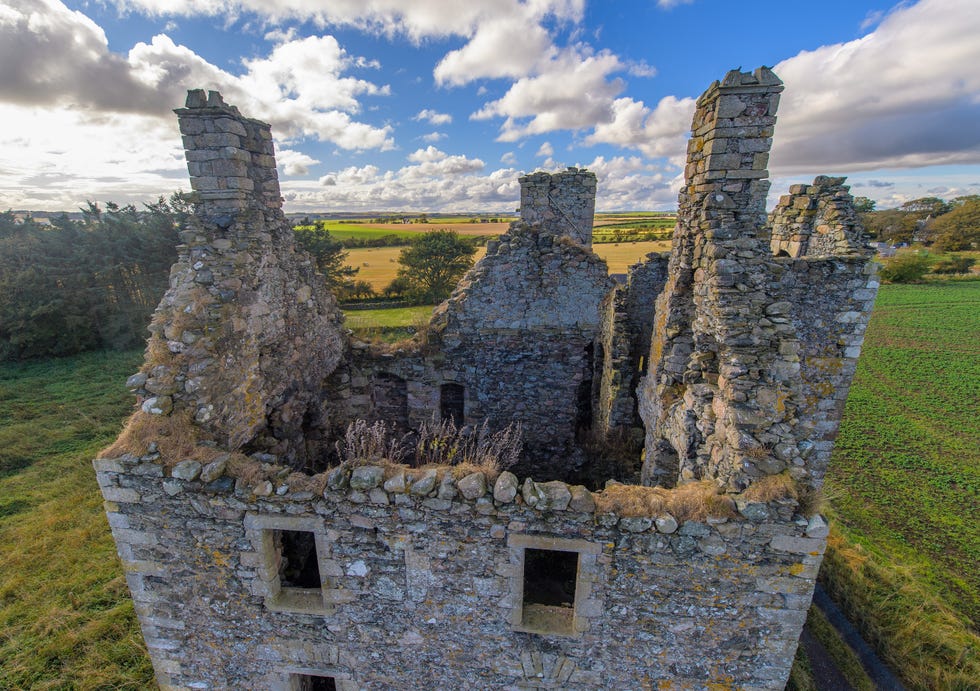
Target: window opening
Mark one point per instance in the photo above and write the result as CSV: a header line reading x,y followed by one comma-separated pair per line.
x,y
390,398
451,398
314,682
549,577
298,565
549,590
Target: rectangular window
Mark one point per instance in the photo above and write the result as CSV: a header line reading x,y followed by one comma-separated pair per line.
x,y
295,569
552,586
298,566
549,589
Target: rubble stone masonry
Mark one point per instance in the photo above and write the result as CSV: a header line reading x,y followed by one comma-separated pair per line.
x,y
255,561
422,585
748,348
246,332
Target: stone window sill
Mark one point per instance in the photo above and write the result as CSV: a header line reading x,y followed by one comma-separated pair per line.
x,y
299,601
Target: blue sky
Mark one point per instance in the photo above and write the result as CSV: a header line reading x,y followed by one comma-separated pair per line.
x,y
441,104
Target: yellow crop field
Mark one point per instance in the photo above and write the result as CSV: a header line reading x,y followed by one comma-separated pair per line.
x,y
378,265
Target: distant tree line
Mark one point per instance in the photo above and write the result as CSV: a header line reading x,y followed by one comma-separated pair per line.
x,y
945,226
82,285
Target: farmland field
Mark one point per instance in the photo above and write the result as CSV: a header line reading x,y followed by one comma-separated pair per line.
x,y
904,484
607,227
378,265
907,463
369,231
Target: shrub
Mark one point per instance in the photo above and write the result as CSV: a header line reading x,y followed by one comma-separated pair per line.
x,y
442,443
906,268
954,265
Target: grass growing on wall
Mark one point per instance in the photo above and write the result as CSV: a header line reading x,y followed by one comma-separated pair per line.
x,y
66,620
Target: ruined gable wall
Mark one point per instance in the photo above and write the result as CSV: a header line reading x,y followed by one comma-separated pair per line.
x,y
246,332
817,220
752,355
712,348
422,583
519,332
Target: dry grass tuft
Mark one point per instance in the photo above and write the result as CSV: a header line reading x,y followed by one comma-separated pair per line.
x,y
489,468
772,488
700,500
931,644
248,470
783,487
692,502
175,435
157,353
436,444
301,482
371,444
631,500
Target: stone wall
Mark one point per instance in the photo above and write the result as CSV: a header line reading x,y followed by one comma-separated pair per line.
x,y
627,327
561,203
817,220
518,335
726,396
831,300
246,333
421,583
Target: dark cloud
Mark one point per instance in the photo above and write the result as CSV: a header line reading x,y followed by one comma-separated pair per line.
x,y
53,56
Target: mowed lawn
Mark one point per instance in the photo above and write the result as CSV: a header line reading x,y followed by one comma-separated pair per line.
x,y
379,265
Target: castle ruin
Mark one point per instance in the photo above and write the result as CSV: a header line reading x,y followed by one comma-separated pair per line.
x,y
254,561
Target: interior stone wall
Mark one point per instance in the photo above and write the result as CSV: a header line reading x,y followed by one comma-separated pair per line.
x,y
519,334
627,327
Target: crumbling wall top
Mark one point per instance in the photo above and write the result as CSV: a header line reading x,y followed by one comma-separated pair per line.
x,y
818,220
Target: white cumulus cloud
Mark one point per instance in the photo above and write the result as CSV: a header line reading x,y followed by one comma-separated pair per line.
x,y
433,117
907,94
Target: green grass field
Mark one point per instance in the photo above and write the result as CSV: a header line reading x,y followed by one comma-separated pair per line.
x,y
66,620
904,483
903,486
907,463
